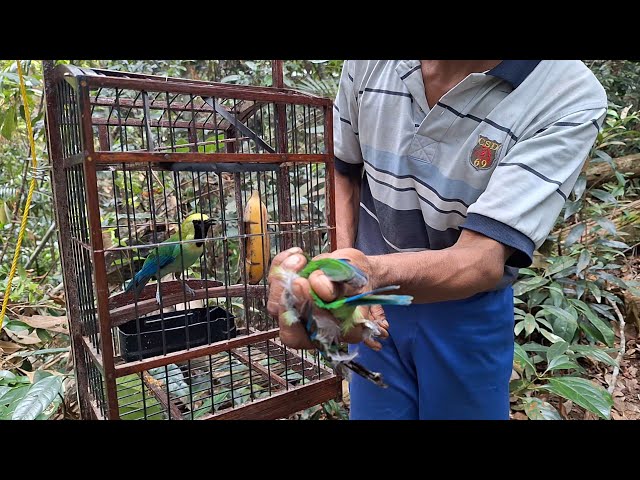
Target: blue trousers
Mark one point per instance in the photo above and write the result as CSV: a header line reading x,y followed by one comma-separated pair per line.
x,y
447,360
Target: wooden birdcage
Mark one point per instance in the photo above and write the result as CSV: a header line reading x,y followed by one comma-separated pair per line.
x,y
132,156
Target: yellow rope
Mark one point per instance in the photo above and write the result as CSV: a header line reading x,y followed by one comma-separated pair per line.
x,y
32,187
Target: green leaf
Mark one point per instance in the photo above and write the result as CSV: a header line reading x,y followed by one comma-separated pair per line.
x,y
529,324
595,291
561,363
44,351
7,377
613,279
178,388
603,310
557,297
610,296
583,261
555,287
15,394
534,347
574,234
517,330
537,409
607,224
571,208
580,186
516,386
536,297
594,353
40,374
592,333
292,376
565,324
523,361
527,271
582,392
608,336
524,286
603,196
559,264
613,244
38,398
544,322
9,124
553,338
556,350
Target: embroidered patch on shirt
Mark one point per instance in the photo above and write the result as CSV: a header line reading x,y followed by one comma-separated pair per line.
x,y
484,153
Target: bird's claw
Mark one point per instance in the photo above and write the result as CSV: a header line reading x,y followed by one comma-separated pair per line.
x,y
189,291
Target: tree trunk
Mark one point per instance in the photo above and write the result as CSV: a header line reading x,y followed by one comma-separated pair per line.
x,y
602,172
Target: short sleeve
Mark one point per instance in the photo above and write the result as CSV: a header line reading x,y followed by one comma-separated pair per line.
x,y
530,185
346,144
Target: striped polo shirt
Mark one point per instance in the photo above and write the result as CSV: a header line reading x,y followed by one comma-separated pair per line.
x,y
498,154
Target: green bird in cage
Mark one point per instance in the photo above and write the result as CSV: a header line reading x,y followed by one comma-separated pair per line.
x,y
172,257
319,318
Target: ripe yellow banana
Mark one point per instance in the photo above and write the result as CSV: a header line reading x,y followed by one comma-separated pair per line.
x,y
257,247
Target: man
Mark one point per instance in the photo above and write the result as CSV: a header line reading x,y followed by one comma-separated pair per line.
x,y
467,164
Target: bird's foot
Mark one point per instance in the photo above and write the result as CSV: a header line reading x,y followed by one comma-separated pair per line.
x,y
188,290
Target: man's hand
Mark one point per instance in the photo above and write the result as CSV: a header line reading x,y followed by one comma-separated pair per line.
x,y
295,335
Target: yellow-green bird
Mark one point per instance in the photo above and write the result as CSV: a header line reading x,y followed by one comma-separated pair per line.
x,y
173,258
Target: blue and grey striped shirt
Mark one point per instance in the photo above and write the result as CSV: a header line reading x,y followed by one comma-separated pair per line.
x,y
498,154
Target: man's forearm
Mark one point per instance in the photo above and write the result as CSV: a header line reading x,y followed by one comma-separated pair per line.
x,y
475,264
347,207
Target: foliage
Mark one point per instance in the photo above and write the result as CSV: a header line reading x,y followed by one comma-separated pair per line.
x,y
563,312
563,305
23,399
621,80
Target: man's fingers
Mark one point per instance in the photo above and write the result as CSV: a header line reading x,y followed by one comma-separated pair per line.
x,y
282,256
373,344
291,259
294,336
377,315
354,335
328,290
324,288
383,333
300,289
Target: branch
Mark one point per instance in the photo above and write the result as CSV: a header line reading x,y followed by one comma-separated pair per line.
x,y
616,369
41,246
602,172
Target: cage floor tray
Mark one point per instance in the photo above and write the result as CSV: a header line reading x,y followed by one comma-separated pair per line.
x,y
174,331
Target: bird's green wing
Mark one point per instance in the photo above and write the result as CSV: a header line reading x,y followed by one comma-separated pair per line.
x,y
337,269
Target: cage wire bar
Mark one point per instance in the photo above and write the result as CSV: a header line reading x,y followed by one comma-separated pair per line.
x,y
132,157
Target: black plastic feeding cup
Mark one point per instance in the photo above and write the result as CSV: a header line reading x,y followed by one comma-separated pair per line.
x,y
203,326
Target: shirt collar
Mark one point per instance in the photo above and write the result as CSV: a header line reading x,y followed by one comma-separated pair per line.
x,y
514,71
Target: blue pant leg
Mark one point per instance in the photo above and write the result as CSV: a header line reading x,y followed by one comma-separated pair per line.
x,y
399,401
463,353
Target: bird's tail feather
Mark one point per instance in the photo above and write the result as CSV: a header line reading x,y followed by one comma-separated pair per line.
x,y
385,300
137,283
371,297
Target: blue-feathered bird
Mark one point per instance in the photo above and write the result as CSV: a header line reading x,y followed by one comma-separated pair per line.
x,y
319,322
175,257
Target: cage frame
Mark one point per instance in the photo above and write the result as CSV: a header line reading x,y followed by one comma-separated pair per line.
x,y
278,404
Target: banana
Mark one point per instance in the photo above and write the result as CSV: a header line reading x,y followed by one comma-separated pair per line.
x,y
257,248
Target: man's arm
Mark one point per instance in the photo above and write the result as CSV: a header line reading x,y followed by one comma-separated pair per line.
x,y
347,187
474,264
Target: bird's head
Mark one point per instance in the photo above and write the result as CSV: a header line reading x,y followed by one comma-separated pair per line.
x,y
196,224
